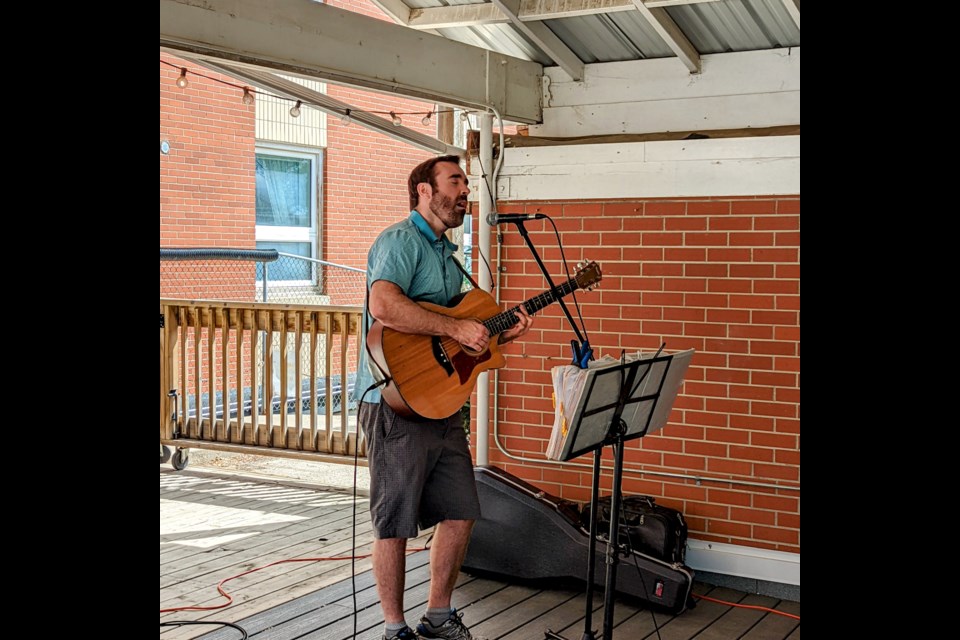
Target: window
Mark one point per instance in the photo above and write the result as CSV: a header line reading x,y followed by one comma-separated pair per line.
x,y
287,209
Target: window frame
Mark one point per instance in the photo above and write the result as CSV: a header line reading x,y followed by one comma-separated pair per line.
x,y
311,234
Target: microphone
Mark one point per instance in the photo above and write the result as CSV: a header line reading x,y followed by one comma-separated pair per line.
x,y
493,219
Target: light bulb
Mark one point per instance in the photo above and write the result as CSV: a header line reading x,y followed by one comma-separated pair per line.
x,y
247,96
464,116
182,81
345,118
295,110
426,120
396,119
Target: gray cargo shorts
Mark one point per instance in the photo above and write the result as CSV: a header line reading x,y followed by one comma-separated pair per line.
x,y
421,473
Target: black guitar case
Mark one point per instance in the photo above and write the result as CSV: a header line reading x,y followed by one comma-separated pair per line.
x,y
527,534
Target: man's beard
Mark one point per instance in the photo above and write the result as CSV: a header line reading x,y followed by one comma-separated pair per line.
x,y
445,208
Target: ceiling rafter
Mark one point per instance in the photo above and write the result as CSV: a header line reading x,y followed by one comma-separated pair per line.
x,y
544,38
461,15
396,10
399,12
664,25
793,8
674,3
470,15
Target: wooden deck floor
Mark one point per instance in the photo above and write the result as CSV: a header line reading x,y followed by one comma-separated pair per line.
x,y
215,526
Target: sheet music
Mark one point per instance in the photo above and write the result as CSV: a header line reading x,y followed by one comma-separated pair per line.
x,y
568,382
580,418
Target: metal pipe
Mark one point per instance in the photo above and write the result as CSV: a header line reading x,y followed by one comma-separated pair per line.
x,y
264,281
320,262
683,476
483,279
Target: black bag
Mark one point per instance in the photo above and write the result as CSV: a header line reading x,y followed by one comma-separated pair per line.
x,y
645,526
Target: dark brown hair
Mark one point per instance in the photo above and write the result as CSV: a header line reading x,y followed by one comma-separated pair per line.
x,y
423,172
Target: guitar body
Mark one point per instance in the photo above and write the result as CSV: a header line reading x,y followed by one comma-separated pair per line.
x,y
433,376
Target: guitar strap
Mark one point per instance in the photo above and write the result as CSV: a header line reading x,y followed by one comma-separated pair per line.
x,y
464,271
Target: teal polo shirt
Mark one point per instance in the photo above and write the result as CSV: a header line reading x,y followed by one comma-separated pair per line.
x,y
409,255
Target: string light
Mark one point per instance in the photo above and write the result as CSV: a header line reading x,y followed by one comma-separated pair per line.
x,y
248,99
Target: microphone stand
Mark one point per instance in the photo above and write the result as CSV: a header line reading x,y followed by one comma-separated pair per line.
x,y
582,353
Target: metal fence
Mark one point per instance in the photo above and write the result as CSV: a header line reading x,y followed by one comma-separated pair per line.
x,y
239,275
238,325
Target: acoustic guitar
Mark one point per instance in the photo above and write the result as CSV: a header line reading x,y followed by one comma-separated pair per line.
x,y
433,376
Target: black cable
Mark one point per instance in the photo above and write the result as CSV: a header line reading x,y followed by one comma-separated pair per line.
x,y
650,609
633,555
353,534
486,179
486,263
493,206
177,623
566,268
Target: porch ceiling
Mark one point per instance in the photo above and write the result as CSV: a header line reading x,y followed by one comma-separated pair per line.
x,y
306,38
469,53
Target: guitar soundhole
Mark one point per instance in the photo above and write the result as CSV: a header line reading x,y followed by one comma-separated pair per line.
x,y
441,356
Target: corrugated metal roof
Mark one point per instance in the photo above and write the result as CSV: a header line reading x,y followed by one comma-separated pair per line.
x,y
736,25
610,37
502,38
620,32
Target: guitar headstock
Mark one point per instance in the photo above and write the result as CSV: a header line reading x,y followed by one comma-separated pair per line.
x,y
588,275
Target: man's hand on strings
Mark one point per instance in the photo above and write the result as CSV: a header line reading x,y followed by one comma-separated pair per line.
x,y
524,322
471,334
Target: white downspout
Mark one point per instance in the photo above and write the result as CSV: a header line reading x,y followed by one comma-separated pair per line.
x,y
483,275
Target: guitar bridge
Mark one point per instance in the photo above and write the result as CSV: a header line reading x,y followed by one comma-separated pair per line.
x,y
441,356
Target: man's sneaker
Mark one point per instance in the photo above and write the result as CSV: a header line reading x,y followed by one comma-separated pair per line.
x,y
404,634
452,629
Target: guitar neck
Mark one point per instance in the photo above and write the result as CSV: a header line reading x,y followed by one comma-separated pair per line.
x,y
503,321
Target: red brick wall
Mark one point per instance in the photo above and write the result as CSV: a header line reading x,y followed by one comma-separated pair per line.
x,y
366,176
207,180
719,275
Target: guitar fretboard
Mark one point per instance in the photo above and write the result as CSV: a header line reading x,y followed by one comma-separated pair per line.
x,y
503,321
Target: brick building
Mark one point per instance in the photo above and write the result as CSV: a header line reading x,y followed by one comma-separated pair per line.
x,y
699,241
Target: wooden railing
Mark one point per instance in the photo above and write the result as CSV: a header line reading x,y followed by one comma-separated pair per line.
x,y
218,364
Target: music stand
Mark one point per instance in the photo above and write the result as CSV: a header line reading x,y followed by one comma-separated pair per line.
x,y
619,402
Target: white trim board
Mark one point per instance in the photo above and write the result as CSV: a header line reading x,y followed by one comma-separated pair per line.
x,y
750,89
746,562
662,169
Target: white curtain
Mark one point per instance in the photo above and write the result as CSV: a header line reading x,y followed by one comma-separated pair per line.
x,y
280,197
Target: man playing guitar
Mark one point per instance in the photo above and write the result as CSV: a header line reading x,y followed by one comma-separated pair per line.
x,y
421,470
